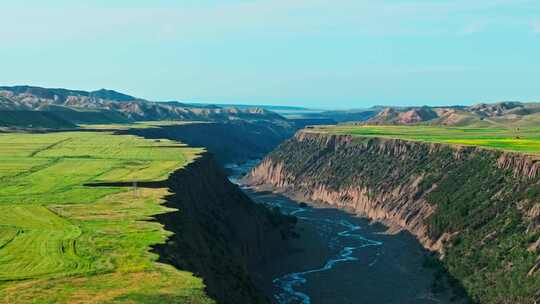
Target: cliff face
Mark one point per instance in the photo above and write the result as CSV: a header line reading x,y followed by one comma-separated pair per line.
x,y
520,165
219,233
477,208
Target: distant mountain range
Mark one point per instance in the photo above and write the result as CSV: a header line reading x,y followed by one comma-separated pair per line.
x,y
507,113
504,114
272,108
45,107
36,107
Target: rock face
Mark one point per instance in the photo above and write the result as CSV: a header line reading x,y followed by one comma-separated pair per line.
x,y
465,203
219,233
399,208
520,165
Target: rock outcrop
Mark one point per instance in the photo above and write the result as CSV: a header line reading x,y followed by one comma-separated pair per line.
x,y
520,164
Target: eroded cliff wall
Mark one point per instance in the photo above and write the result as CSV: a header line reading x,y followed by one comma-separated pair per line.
x,y
480,209
219,233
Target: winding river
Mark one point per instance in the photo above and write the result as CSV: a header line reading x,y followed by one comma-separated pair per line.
x,y
341,258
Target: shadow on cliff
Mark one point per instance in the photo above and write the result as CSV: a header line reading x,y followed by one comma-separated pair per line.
x,y
444,281
219,233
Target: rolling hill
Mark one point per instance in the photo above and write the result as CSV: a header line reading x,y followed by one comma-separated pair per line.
x,y
507,114
33,119
107,106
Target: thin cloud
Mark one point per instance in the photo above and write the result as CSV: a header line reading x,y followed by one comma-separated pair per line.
x,y
473,28
536,26
283,17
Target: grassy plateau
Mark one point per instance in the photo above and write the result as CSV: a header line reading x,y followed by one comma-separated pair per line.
x,y
525,140
63,241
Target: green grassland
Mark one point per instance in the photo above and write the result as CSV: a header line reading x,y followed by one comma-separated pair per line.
x,y
62,241
525,140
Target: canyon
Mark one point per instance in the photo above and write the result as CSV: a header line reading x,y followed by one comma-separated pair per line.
x,y
477,209
433,222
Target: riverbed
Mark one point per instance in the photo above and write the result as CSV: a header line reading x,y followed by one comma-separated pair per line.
x,y
341,258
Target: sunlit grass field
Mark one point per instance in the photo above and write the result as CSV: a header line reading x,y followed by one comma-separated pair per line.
x,y
525,140
62,241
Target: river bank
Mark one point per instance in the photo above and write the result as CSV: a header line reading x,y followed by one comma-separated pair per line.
x,y
342,258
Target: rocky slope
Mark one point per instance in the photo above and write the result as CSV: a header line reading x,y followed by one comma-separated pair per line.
x,y
219,233
479,209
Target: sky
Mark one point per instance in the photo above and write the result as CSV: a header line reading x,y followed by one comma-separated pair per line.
x,y
314,53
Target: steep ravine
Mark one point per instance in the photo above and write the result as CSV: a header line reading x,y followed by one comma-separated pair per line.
x,y
219,233
478,209
229,142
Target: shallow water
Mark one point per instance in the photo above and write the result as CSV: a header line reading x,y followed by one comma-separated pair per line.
x,y
341,258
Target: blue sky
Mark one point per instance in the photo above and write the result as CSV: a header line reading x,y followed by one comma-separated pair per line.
x,y
331,54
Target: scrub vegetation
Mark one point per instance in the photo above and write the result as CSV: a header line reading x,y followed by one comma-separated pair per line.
x,y
62,239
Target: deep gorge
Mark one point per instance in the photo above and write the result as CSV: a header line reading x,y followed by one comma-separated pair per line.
x,y
477,209
224,237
